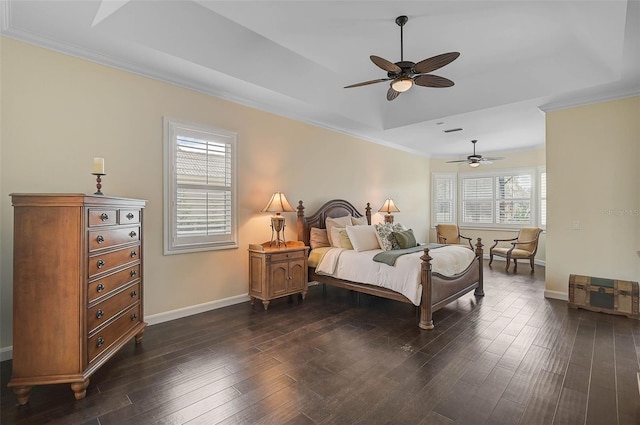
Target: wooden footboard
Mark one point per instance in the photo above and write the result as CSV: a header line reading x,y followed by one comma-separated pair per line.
x,y
437,290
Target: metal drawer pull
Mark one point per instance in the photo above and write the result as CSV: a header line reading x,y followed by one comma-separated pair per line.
x,y
100,239
134,316
133,234
100,287
104,216
100,342
133,273
100,264
99,314
133,254
134,294
130,216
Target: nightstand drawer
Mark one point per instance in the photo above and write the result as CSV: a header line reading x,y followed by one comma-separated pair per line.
x,y
107,284
284,256
104,338
105,310
101,217
99,239
104,262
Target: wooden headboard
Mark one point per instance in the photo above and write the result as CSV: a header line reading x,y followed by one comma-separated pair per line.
x,y
333,208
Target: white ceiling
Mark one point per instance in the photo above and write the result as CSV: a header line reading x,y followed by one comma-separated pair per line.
x,y
293,58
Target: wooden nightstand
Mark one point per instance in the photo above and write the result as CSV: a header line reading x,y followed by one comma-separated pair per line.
x,y
277,272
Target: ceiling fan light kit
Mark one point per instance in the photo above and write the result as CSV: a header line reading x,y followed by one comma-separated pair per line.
x,y
405,74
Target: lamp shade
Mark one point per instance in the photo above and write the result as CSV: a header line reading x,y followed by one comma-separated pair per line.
x,y
389,207
278,203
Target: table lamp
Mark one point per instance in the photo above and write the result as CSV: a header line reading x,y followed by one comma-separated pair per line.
x,y
388,207
278,204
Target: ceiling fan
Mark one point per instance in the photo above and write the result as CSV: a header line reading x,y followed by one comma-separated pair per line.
x,y
405,74
475,160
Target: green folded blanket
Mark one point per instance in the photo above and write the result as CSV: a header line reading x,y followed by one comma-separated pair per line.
x,y
390,257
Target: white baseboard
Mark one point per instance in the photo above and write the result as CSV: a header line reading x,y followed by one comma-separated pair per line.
x,y
166,316
6,353
556,295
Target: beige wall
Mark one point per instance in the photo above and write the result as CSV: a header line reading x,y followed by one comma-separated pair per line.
x,y
59,112
593,177
513,160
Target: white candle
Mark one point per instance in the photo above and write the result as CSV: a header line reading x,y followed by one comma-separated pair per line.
x,y
98,165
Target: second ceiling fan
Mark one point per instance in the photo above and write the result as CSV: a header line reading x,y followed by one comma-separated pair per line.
x,y
475,160
404,74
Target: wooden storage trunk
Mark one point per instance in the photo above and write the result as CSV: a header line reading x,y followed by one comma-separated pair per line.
x,y
604,295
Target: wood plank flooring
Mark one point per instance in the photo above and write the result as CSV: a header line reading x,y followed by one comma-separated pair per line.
x,y
512,357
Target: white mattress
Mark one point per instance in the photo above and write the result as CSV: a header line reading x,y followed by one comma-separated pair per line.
x,y
404,277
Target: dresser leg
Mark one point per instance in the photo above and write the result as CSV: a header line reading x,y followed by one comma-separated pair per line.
x,y
139,336
80,389
253,300
22,394
265,303
304,294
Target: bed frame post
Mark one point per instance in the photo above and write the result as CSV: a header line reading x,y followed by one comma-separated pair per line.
x,y
367,213
301,232
479,292
426,320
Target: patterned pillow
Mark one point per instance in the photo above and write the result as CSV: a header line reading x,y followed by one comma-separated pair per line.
x,y
384,232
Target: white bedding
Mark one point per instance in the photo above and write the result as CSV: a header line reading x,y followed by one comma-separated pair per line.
x,y
404,277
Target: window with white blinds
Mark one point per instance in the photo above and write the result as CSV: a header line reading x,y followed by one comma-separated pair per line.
x,y
444,198
200,188
497,200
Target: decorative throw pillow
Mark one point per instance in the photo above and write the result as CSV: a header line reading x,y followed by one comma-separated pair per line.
x,y
318,238
405,239
344,238
359,221
385,237
336,222
363,238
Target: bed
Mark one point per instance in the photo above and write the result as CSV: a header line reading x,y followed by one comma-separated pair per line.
x,y
436,290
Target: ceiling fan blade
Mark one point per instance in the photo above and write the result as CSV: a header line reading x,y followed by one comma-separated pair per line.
x,y
460,160
385,64
366,83
392,94
430,80
435,62
496,158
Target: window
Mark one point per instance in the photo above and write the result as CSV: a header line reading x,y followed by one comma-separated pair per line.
x,y
199,189
444,198
501,200
543,199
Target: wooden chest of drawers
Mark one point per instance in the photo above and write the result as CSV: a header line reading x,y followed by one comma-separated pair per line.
x,y
77,286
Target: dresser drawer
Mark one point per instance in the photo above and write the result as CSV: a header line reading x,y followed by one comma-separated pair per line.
x,y
284,256
101,217
99,239
102,340
128,216
104,262
105,310
107,284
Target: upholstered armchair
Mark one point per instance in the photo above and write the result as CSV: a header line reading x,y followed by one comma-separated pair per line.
x,y
450,234
524,246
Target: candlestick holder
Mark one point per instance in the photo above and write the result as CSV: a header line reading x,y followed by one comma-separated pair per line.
x,y
98,183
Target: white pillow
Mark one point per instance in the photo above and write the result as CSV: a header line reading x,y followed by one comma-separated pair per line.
x,y
363,238
336,222
359,221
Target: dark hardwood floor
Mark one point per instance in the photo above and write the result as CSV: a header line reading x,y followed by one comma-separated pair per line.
x,y
512,357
